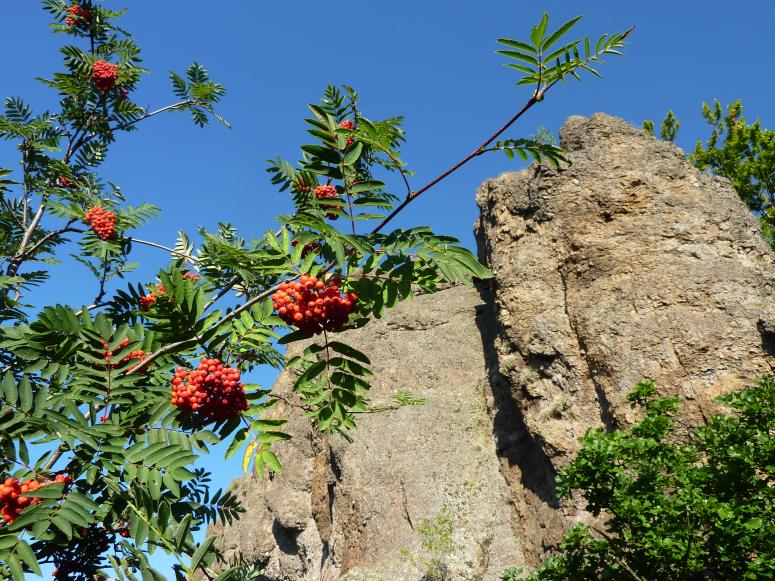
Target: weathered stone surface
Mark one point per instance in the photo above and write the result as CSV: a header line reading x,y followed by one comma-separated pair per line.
x,y
627,265
356,510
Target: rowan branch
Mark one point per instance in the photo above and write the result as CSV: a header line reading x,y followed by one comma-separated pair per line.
x,y
149,114
414,195
167,248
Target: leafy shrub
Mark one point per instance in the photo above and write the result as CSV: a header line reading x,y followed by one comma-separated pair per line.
x,y
697,510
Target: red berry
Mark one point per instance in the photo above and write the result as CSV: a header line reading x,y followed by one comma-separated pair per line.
x,y
11,501
62,478
212,390
309,247
327,192
314,305
79,16
102,221
104,75
347,124
66,183
146,301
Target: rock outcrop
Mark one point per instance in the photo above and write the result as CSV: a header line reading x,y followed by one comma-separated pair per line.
x,y
418,492
627,265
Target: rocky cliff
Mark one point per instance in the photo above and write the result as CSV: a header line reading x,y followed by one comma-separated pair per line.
x,y
629,264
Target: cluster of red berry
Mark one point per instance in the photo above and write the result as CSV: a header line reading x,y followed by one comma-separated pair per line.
x,y
347,124
324,193
211,390
309,247
137,354
66,183
147,301
104,75
79,16
314,305
11,501
102,221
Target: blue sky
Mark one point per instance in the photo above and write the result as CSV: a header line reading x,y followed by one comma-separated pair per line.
x,y
433,62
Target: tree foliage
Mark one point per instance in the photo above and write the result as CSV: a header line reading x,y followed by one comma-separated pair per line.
x,y
704,509
107,405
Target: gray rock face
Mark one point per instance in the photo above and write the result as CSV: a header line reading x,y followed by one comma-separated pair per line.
x,y
628,265
420,475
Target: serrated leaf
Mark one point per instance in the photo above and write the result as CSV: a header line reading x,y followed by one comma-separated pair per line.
x,y
48,491
9,388
349,351
17,570
181,532
537,32
239,438
201,551
248,455
520,56
25,394
269,437
270,460
366,186
353,154
559,33
261,425
518,44
28,557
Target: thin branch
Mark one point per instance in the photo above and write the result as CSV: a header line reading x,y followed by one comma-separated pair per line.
x,y
66,228
621,561
54,458
167,248
222,321
352,216
400,169
17,260
413,195
149,114
89,308
29,468
222,293
103,278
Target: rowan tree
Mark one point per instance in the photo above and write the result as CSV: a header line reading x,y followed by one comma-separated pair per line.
x,y
105,407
